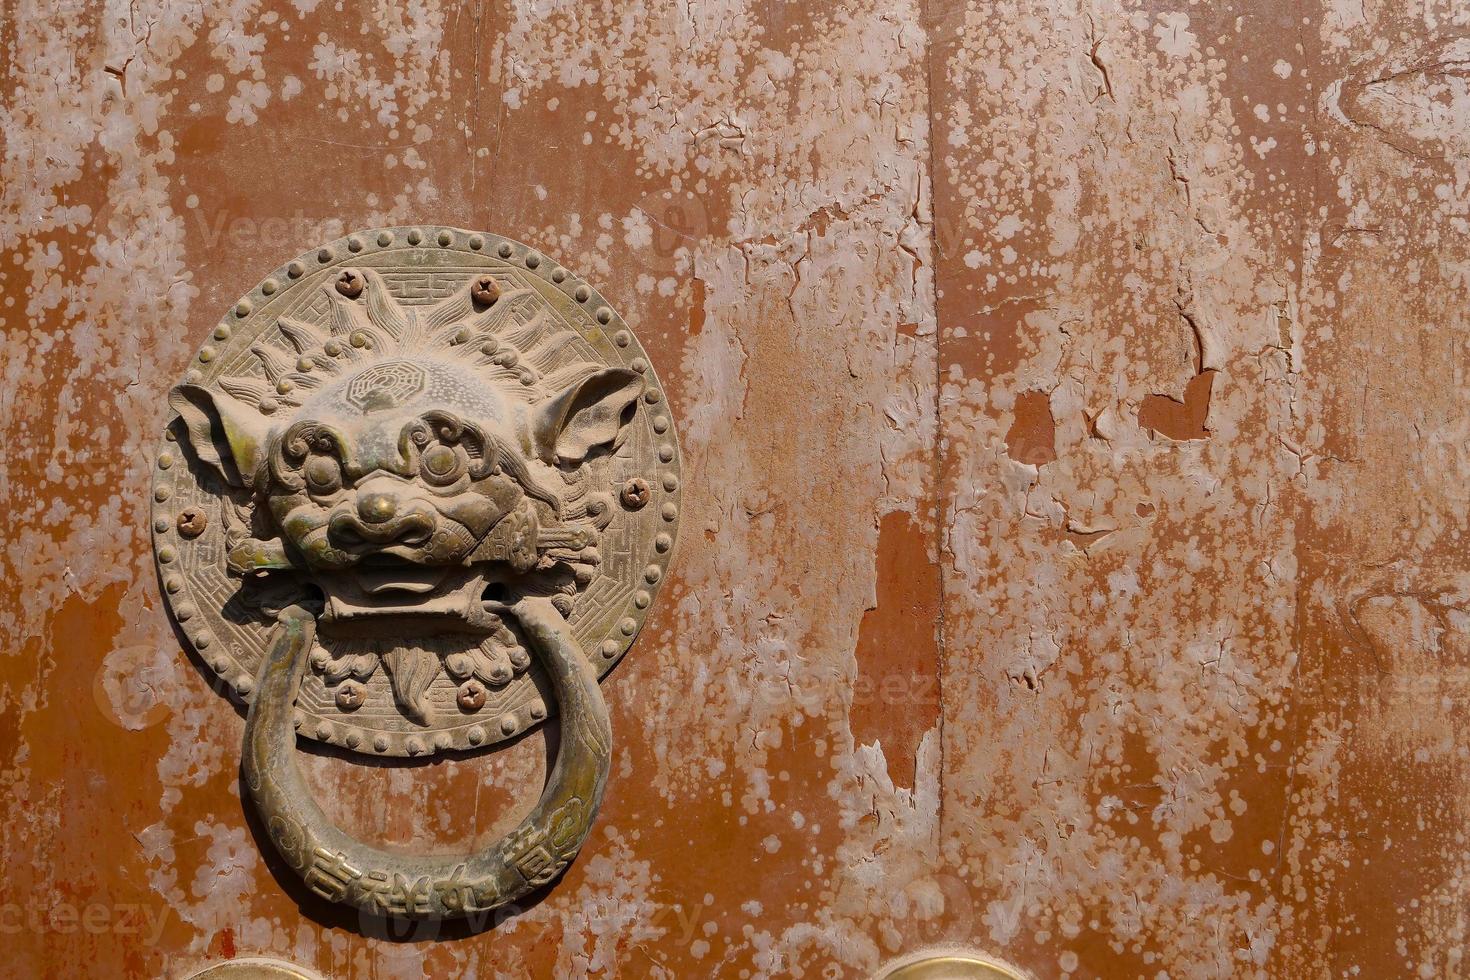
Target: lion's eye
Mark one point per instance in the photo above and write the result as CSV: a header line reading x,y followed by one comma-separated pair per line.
x,y
323,475
442,464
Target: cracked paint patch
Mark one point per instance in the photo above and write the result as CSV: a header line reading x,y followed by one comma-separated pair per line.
x,y
1088,379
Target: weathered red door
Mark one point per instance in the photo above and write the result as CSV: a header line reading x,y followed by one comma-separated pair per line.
x,y
1072,408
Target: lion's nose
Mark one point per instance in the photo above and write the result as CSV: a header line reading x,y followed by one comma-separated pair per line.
x,y
413,529
382,517
377,508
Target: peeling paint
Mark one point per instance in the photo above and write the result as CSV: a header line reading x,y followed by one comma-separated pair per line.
x,y
1092,377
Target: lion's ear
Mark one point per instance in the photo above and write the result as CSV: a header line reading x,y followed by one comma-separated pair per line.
x,y
582,414
224,432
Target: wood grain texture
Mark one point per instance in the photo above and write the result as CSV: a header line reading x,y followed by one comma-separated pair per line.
x,y
1073,406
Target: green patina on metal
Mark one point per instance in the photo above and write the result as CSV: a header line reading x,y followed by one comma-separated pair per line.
x,y
405,489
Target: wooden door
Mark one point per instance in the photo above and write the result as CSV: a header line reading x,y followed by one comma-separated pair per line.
x,y
1072,404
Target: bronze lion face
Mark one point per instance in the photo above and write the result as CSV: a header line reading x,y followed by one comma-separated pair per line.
x,y
407,462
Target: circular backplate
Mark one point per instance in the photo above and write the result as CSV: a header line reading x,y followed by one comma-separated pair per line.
x,y
637,484
254,968
949,965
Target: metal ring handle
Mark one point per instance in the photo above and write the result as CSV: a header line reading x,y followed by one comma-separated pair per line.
x,y
340,868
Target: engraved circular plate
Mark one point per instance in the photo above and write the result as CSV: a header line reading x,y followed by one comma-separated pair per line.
x,y
950,966
407,424
254,968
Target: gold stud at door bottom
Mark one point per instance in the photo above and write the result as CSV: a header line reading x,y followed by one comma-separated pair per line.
x,y
950,965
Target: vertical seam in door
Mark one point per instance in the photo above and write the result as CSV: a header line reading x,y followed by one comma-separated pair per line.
x,y
937,467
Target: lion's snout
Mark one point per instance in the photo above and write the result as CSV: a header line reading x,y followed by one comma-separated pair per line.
x,y
349,532
383,517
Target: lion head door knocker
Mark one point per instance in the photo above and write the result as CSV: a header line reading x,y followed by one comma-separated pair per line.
x,y
420,489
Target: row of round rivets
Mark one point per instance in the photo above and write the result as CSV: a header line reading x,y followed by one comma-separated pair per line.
x,y
445,238
651,574
163,523
173,584
414,744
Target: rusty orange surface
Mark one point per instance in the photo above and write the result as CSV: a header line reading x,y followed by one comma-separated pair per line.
x,y
1074,409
